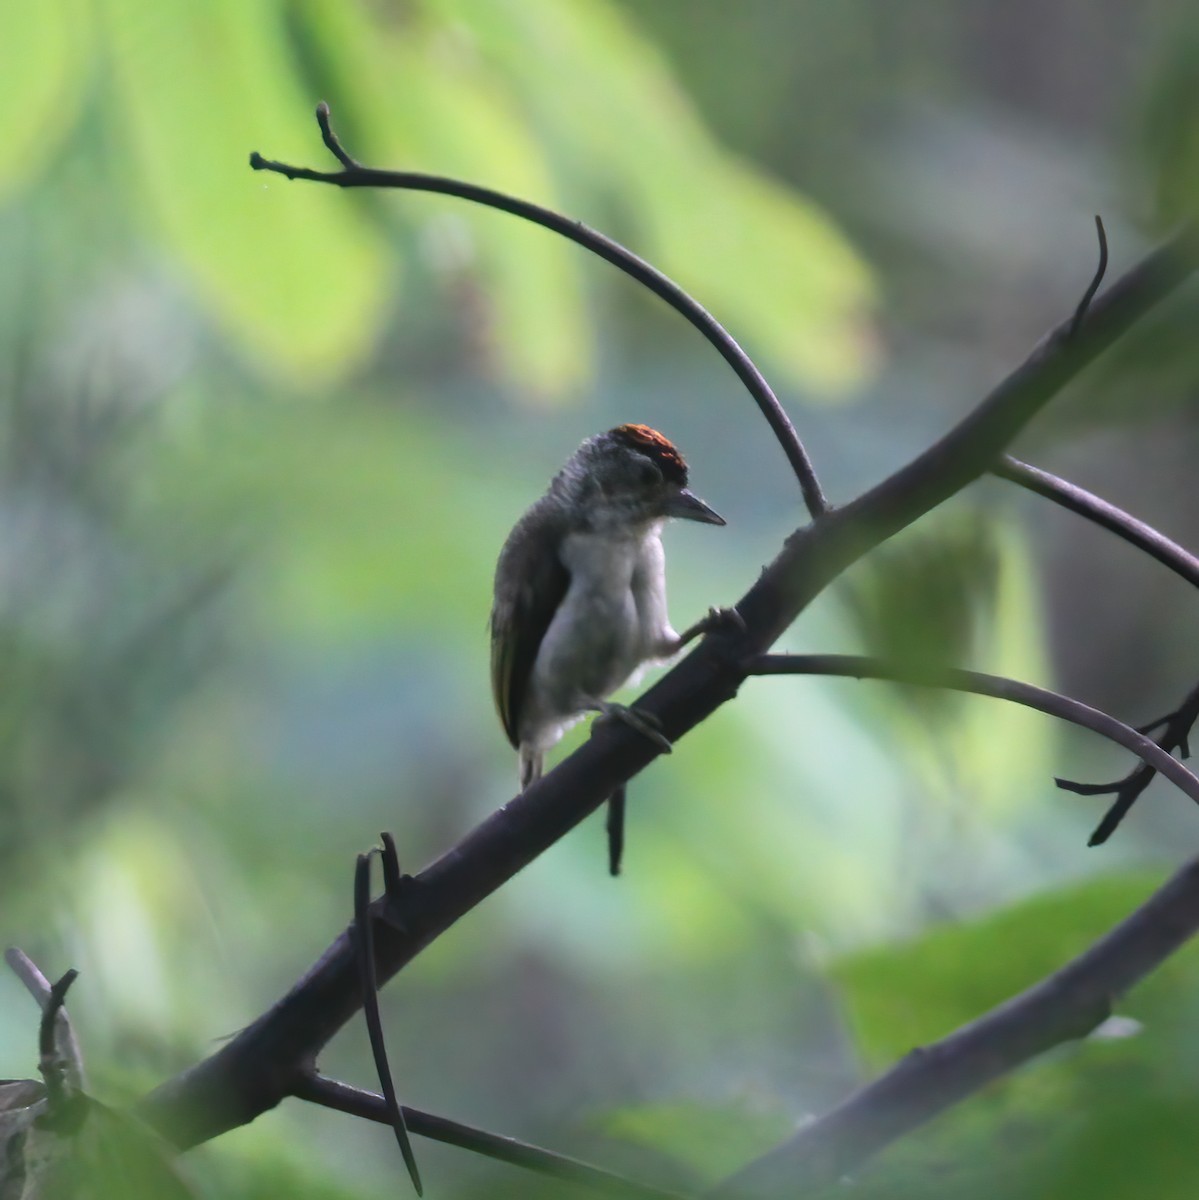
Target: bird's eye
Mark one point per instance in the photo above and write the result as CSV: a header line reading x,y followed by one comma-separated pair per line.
x,y
648,474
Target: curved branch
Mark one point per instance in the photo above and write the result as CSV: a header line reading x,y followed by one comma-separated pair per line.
x,y
353,175
358,1103
1094,508
1054,704
1100,271
1067,1005
1170,554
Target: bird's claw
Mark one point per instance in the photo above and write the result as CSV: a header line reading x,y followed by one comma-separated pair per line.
x,y
718,620
726,620
644,723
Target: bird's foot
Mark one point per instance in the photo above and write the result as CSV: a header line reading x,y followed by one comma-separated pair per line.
x,y
645,723
718,620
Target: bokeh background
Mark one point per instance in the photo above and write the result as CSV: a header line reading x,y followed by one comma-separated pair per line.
x,y
261,442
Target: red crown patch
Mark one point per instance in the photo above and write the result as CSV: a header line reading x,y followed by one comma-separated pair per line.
x,y
658,449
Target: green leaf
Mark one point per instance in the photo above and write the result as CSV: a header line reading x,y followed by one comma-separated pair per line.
x,y
1171,124
450,115
293,271
959,591
711,1140
43,62
762,258
902,996
88,1151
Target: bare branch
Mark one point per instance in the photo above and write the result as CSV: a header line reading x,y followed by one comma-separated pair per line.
x,y
1067,1005
355,175
40,988
1170,554
1100,271
954,679
1094,508
56,1071
334,144
1127,790
267,1060
372,1107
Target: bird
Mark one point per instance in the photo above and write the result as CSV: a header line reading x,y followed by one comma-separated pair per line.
x,y
579,602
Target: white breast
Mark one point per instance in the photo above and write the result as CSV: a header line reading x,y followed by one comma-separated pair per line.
x,y
611,621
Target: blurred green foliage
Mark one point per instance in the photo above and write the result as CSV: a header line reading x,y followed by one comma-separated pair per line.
x,y
260,443
912,993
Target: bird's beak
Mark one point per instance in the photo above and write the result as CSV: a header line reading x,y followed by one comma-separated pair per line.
x,y
687,506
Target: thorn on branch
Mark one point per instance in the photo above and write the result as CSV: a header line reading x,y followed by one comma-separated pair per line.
x,y
364,944
1100,271
393,879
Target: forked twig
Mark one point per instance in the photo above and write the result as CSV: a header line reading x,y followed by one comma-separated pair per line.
x,y
1177,730
55,1071
40,988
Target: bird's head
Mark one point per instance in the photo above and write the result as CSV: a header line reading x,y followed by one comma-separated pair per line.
x,y
630,477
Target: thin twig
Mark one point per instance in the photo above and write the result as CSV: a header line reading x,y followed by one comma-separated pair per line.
x,y
358,1103
1100,271
1094,508
1178,726
1170,554
331,140
954,679
55,1071
355,175
1067,1005
40,988
365,945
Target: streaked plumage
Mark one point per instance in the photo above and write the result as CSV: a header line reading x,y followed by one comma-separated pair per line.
x,y
580,587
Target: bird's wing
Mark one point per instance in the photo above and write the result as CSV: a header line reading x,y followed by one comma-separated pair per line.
x,y
524,610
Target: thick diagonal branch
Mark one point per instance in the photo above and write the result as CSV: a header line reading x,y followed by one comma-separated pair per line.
x,y
1067,1005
